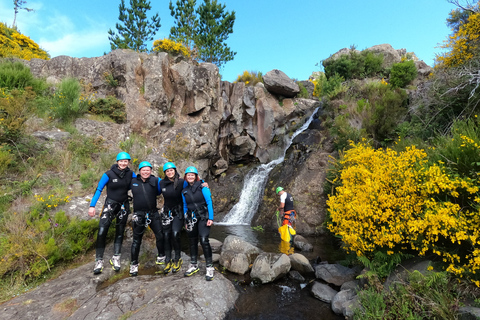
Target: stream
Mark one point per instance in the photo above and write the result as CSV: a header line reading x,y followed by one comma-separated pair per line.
x,y
284,298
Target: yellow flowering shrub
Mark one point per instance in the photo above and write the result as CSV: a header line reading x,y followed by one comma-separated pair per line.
x,y
170,46
250,78
14,44
395,202
463,44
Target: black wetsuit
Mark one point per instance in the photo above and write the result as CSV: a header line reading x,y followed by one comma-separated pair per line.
x,y
116,207
145,214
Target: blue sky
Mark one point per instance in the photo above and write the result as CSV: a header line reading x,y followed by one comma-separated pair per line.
x,y
292,36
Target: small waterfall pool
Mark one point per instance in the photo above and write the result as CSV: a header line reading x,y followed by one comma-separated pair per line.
x,y
285,298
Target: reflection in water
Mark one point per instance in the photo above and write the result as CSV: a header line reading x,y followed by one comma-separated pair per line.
x,y
286,247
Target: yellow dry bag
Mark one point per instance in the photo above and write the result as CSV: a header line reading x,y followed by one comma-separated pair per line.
x,y
286,232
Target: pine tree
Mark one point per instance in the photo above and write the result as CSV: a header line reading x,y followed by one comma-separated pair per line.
x,y
207,28
134,29
185,22
214,27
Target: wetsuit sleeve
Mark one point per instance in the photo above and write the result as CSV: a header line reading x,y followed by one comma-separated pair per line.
x,y
208,198
134,175
159,189
185,208
101,184
185,184
283,197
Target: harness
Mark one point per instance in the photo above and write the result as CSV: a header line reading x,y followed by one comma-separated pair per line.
x,y
289,217
124,209
167,217
192,216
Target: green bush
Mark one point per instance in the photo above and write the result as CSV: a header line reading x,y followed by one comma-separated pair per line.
x,y
328,87
15,75
109,106
303,91
403,73
354,65
66,102
14,109
33,242
429,296
6,158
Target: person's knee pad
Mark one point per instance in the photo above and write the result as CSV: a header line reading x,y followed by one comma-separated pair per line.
x,y
102,232
204,241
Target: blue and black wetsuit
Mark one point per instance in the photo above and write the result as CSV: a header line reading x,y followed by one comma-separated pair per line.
x,y
116,207
198,208
172,216
145,213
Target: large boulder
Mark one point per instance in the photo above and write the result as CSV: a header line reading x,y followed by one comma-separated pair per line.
x,y
323,292
301,264
278,82
237,254
334,273
269,267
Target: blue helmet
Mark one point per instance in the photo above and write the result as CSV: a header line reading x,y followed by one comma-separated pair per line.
x,y
168,165
191,170
144,164
123,156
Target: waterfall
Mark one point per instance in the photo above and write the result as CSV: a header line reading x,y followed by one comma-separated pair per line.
x,y
255,181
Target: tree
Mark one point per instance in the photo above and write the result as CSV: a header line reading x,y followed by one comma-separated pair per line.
x,y
17,6
185,22
214,26
134,29
207,29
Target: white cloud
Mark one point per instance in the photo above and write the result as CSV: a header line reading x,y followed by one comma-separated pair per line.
x,y
82,44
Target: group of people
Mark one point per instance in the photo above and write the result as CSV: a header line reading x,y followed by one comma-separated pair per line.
x,y
187,203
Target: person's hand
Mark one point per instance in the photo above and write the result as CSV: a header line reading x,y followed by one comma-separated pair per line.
x,y
91,211
205,185
209,222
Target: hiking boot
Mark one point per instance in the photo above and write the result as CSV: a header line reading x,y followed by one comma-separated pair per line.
x,y
133,270
160,260
98,267
168,267
177,265
115,262
192,268
209,275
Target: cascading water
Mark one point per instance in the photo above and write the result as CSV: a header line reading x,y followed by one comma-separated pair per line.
x,y
255,181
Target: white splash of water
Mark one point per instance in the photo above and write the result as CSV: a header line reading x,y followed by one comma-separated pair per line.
x,y
255,181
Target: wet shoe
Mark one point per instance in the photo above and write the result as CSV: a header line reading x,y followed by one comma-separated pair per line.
x,y
133,270
168,267
115,262
177,265
209,275
98,267
192,269
160,260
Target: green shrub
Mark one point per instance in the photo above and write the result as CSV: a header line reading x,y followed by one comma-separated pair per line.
x,y
34,241
15,75
14,110
83,147
109,106
459,150
66,103
303,92
6,158
429,296
328,87
88,179
403,73
354,65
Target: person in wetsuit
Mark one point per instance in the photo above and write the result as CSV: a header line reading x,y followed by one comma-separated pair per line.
x,y
116,207
198,211
145,189
172,215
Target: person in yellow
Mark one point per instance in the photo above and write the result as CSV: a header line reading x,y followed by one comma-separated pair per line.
x,y
285,209
288,216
